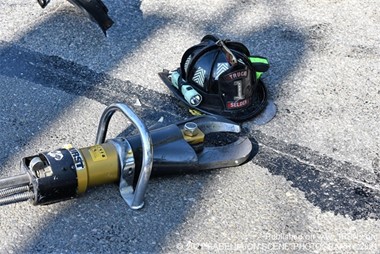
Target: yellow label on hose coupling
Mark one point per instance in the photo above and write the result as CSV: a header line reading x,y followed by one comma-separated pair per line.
x,y
98,153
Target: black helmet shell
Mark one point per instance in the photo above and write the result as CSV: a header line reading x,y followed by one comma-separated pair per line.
x,y
230,90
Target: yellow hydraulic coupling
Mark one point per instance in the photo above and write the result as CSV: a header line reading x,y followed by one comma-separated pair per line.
x,y
96,165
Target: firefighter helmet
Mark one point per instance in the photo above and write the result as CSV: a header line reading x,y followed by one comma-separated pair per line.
x,y
221,78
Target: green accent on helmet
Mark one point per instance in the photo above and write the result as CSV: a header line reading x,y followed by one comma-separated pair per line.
x,y
258,59
261,65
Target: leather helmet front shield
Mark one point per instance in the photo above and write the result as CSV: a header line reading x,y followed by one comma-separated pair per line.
x,y
235,86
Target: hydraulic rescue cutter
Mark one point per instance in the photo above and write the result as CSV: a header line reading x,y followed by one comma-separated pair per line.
x,y
183,147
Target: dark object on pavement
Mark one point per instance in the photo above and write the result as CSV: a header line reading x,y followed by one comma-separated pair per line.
x,y
94,9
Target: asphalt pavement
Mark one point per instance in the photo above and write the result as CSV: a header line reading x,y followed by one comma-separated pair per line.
x,y
314,186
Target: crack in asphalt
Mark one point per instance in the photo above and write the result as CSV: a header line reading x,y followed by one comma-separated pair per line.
x,y
332,185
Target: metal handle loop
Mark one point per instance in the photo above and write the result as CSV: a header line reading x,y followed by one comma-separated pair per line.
x,y
136,201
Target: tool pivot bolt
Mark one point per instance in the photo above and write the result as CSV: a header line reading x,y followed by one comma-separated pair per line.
x,y
191,129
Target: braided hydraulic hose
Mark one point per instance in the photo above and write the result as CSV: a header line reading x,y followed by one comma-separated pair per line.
x,y
16,198
11,191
